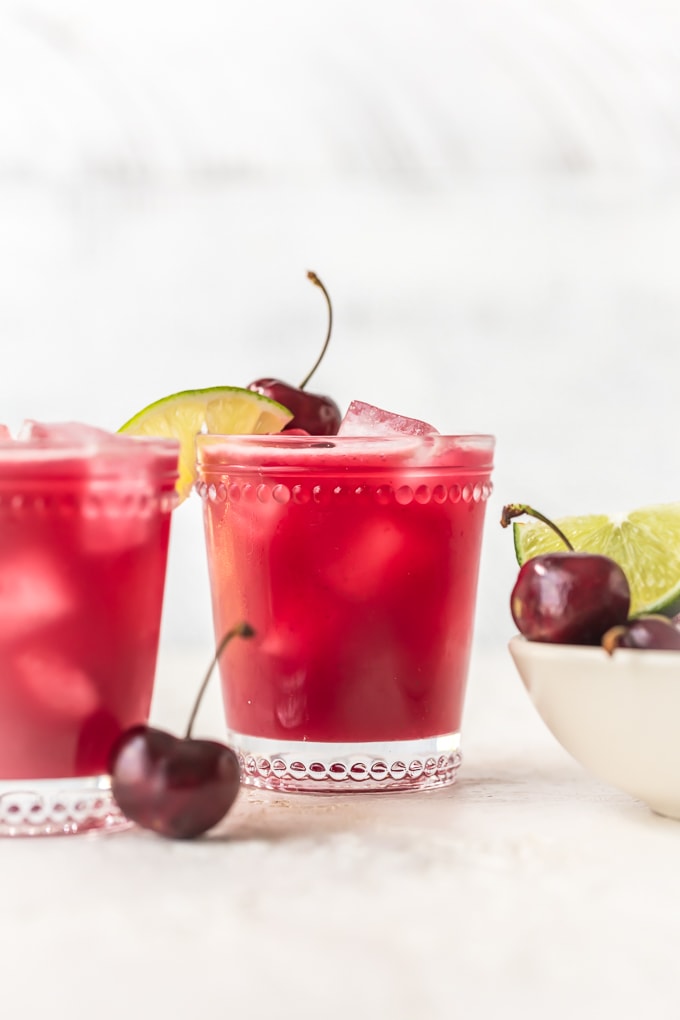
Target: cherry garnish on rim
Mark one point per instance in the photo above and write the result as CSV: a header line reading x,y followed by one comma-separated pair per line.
x,y
566,597
315,413
176,786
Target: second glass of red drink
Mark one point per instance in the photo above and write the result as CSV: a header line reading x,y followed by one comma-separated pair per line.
x,y
356,561
85,521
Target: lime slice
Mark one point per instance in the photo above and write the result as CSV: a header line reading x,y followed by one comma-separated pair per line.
x,y
645,543
224,410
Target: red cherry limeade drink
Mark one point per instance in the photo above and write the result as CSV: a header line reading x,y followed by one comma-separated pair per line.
x,y
85,517
356,562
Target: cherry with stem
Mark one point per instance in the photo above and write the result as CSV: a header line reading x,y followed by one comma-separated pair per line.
x,y
179,787
243,630
311,275
567,597
313,413
512,510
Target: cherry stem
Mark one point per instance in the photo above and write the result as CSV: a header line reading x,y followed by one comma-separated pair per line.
x,y
612,639
243,630
519,509
315,280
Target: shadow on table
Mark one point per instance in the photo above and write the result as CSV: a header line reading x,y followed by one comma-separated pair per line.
x,y
262,815
277,817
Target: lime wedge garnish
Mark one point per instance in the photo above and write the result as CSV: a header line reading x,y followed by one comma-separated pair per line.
x,y
645,543
224,410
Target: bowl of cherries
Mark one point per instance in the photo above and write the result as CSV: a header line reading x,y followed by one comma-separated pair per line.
x,y
605,681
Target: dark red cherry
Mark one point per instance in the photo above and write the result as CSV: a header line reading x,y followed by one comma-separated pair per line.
x,y
317,414
652,632
176,786
566,597
569,598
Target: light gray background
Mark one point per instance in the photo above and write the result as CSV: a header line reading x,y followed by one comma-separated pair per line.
x,y
489,190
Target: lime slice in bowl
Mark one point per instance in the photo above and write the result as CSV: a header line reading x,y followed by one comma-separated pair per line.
x,y
224,410
645,543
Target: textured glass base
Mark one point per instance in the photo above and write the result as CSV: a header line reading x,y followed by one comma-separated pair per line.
x,y
305,767
58,807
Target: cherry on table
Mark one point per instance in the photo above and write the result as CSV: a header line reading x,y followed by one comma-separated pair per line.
x,y
176,786
316,413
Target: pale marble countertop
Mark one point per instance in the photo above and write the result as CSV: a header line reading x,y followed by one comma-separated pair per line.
x,y
527,890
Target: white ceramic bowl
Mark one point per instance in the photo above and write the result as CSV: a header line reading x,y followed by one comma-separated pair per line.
x,y
618,715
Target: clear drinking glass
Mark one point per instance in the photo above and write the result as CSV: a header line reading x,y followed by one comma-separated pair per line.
x,y
356,562
84,526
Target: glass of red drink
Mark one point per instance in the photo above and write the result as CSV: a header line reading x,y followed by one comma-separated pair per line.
x,y
356,562
84,527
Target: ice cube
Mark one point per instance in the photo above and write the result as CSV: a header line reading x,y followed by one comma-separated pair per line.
x,y
67,433
364,419
34,592
379,558
363,563
96,445
115,527
56,684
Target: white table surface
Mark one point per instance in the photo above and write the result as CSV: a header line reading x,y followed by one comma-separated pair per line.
x,y
527,890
